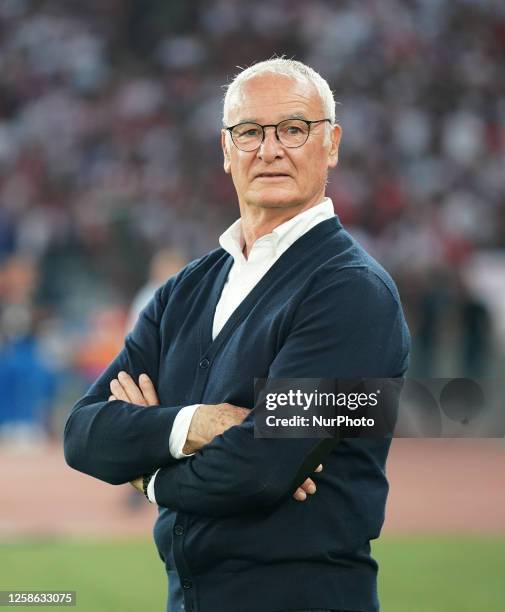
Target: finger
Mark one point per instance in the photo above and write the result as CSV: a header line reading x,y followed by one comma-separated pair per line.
x,y
300,495
308,486
148,390
130,387
111,398
118,391
319,468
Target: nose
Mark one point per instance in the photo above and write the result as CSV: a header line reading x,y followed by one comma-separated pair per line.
x,y
270,149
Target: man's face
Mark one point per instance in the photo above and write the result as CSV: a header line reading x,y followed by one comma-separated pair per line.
x,y
275,176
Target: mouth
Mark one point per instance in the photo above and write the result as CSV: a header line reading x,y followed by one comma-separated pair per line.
x,y
272,175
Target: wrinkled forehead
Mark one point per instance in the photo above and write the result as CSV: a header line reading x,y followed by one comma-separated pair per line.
x,y
273,97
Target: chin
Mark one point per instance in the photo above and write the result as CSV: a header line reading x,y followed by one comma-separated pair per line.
x,y
273,199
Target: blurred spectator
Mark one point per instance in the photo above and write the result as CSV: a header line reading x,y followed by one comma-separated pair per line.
x,y
18,277
28,390
164,264
436,300
28,383
475,339
101,343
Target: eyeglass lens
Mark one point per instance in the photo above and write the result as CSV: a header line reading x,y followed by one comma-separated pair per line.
x,y
291,133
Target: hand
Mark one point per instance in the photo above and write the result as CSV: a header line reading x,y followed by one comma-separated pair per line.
x,y
209,421
124,388
308,487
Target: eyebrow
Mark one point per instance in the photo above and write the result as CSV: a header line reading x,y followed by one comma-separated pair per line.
x,y
299,115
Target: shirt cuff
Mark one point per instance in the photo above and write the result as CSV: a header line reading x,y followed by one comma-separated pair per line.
x,y
180,430
150,488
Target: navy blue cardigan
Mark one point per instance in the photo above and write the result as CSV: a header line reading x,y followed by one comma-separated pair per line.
x,y
228,522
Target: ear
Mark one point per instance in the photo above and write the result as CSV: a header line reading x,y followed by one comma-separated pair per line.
x,y
226,152
336,135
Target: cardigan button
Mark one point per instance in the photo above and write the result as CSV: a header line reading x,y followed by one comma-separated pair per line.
x,y
204,363
186,583
179,530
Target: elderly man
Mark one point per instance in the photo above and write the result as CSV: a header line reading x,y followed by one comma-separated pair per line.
x,y
289,294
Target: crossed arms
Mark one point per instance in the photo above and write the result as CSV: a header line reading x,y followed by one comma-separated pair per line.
x,y
208,421
230,472
118,440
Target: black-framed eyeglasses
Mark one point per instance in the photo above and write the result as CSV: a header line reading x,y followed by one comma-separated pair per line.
x,y
291,133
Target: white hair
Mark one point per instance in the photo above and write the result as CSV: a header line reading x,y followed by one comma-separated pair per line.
x,y
287,67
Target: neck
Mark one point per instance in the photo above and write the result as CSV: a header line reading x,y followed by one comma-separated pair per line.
x,y
260,221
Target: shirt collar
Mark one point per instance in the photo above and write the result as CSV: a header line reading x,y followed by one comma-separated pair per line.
x,y
283,236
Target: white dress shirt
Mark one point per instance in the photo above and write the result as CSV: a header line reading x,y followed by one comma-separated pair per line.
x,y
242,278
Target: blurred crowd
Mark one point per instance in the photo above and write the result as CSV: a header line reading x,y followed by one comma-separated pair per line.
x,y
110,112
